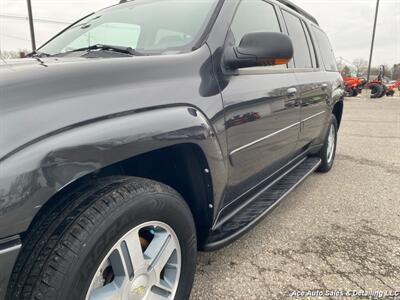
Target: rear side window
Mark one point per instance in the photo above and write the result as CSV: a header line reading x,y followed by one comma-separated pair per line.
x,y
326,50
254,16
311,45
302,56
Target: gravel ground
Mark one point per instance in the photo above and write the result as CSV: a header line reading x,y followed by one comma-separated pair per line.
x,y
336,231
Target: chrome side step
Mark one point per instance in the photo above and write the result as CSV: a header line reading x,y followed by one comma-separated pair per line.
x,y
253,211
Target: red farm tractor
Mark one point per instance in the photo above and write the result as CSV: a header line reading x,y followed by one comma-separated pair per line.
x,y
390,90
378,88
354,85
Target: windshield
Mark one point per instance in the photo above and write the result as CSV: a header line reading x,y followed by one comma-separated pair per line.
x,y
148,26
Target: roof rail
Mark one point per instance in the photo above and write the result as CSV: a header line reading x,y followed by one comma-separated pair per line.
x,y
299,10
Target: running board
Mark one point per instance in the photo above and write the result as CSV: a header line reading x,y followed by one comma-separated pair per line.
x,y
250,213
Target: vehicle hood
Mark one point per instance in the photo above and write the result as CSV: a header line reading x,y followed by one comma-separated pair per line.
x,y
41,96
17,64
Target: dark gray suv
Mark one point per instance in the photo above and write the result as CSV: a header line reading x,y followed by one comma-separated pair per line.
x,y
152,129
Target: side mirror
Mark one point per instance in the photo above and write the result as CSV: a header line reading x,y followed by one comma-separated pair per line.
x,y
260,49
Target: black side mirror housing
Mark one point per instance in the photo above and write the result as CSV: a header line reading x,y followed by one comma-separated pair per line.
x,y
260,49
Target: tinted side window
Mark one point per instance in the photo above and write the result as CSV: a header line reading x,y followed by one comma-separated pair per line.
x,y
311,45
302,57
326,50
254,16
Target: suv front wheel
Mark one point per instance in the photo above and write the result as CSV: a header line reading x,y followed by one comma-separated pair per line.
x,y
117,238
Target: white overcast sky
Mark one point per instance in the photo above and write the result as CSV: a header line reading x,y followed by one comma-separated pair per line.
x,y
347,22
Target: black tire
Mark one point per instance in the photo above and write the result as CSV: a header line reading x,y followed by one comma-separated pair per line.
x,y
326,163
384,90
376,90
390,94
64,248
348,92
354,92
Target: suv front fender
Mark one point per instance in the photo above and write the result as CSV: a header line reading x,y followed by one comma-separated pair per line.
x,y
32,175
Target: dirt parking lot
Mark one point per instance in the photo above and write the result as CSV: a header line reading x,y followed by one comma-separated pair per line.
x,y
336,231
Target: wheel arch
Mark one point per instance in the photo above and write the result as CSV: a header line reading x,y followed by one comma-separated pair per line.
x,y
337,111
183,167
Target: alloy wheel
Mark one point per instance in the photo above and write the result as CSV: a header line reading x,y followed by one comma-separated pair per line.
x,y
144,264
331,143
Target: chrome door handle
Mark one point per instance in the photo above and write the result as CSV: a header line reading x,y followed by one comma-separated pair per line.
x,y
324,86
291,92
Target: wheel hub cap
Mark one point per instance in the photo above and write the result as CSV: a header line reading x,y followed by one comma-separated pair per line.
x,y
145,264
140,285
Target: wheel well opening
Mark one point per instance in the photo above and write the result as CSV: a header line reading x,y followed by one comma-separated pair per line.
x,y
182,167
338,112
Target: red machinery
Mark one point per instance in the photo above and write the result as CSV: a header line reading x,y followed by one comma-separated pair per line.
x,y
378,89
390,89
353,85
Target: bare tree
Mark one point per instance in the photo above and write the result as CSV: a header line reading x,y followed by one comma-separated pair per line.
x,y
396,72
361,66
340,64
374,71
346,71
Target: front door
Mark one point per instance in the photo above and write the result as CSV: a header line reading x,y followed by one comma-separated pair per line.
x,y
262,113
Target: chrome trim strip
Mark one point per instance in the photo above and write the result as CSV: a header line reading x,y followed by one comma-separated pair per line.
x,y
304,70
274,133
262,70
15,247
272,70
263,138
313,116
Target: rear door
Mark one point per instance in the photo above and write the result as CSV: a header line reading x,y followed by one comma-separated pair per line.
x,y
313,86
261,109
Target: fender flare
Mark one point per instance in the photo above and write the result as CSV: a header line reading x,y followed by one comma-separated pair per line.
x,y
35,173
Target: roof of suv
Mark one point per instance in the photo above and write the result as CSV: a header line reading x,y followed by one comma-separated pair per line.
x,y
284,2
